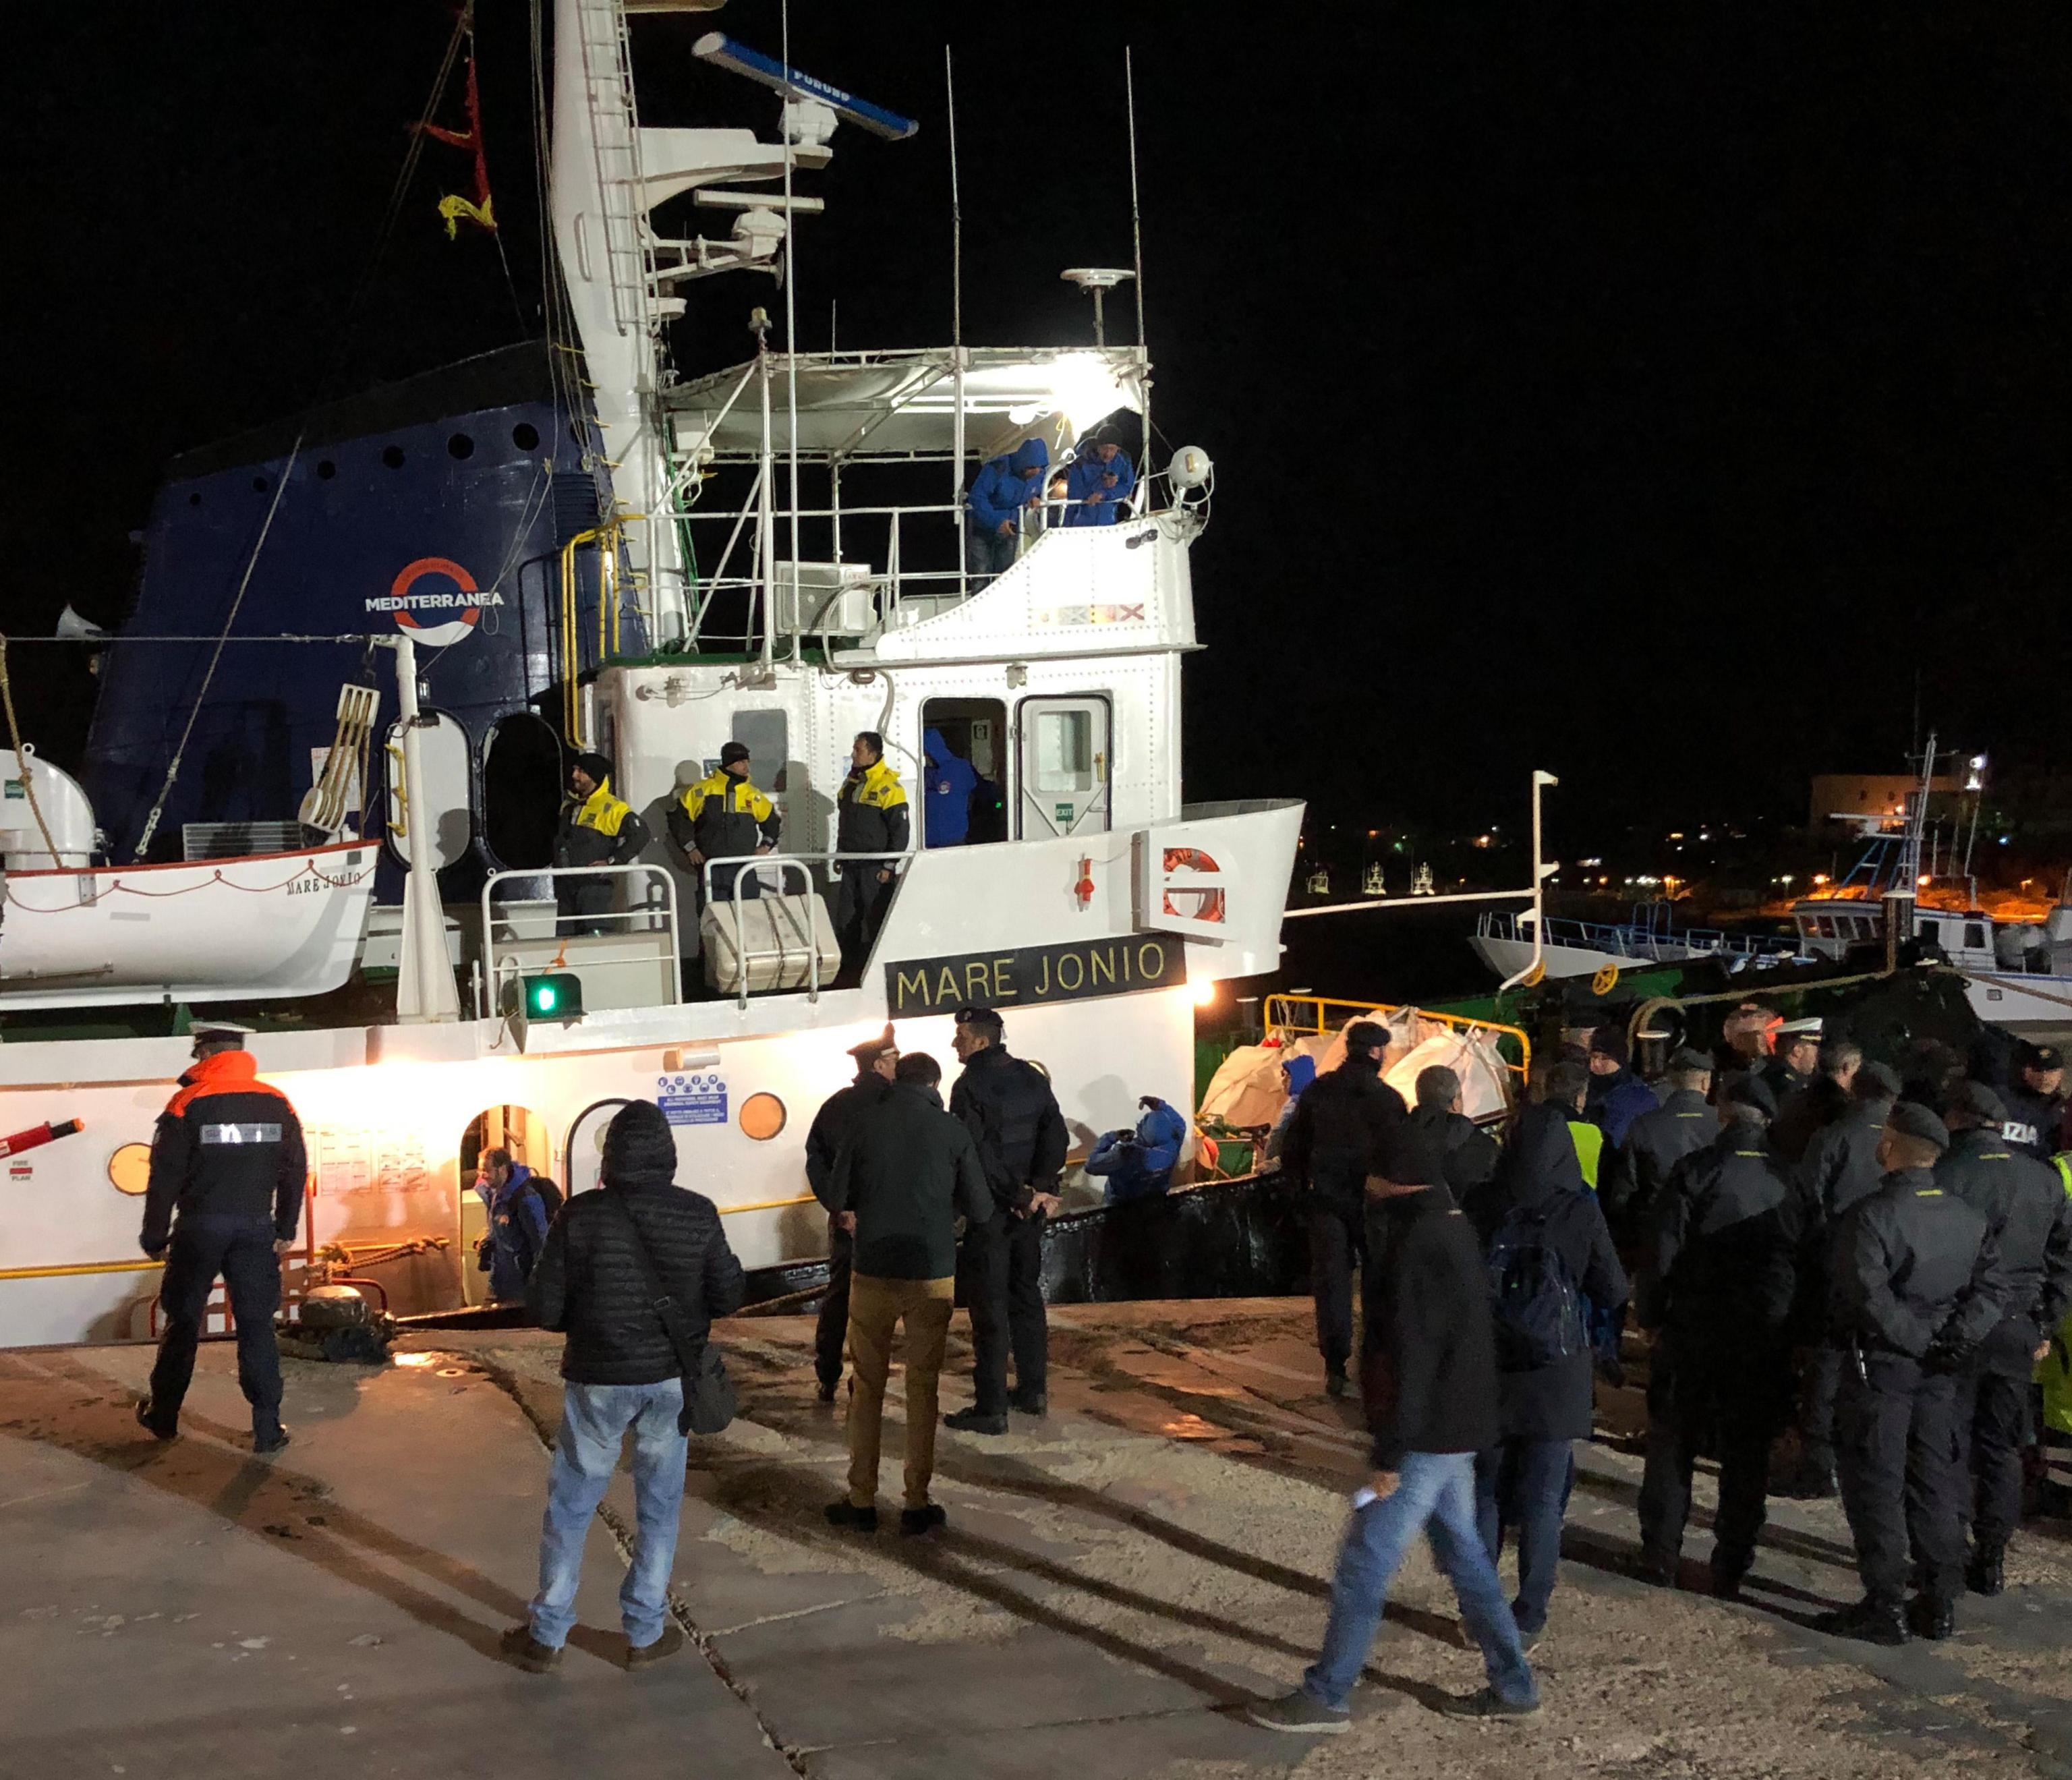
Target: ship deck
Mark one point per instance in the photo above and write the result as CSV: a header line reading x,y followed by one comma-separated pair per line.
x,y
1116,1581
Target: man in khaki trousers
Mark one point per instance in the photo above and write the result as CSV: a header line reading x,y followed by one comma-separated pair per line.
x,y
907,1173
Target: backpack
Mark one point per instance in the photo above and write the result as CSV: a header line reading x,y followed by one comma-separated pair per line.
x,y
1537,1305
548,1195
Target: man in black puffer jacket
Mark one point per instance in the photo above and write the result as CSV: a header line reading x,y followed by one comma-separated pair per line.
x,y
1340,1122
1439,1119
620,1370
1537,1201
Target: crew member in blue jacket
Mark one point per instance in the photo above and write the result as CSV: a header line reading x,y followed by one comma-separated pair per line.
x,y
1002,490
1100,479
518,1222
947,788
1139,1164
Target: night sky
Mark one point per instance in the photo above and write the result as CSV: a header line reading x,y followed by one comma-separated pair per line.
x,y
1660,395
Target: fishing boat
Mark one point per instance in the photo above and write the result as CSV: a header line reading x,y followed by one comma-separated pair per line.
x,y
436,591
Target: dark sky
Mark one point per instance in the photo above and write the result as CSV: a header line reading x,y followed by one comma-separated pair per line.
x,y
1651,394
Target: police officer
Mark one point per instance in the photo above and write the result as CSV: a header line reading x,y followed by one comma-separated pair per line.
x,y
877,1067
1791,1066
1339,1124
1840,1167
1914,1289
597,829
1007,1105
2035,1106
724,816
872,816
2031,1220
1804,1113
1721,1284
227,1159
1655,1142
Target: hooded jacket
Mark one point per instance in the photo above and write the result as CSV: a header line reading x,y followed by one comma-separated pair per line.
x,y
1428,1375
1340,1124
946,797
517,1232
600,829
228,1145
1612,1103
1471,1154
590,1283
908,1171
723,817
1539,1174
1095,501
1139,1164
1000,492
1007,1105
1301,1071
872,816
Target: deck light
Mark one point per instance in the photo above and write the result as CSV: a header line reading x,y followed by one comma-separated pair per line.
x,y
553,995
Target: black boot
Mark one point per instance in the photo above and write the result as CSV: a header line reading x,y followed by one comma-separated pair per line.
x,y
1986,1573
1874,1622
1661,1568
1932,1619
1727,1579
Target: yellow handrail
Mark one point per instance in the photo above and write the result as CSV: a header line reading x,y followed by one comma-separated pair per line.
x,y
1283,1014
610,540
78,1268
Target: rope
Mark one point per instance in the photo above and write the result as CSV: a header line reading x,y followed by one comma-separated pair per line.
x,y
216,877
22,756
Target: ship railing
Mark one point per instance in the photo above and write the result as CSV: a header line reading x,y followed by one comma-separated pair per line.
x,y
800,925
1309,1015
508,963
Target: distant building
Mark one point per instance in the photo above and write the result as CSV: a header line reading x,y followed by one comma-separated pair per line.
x,y
1868,794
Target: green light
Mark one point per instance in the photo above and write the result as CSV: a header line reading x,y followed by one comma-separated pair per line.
x,y
544,998
554,995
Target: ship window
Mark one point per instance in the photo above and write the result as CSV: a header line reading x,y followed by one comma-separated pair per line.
x,y
460,445
1975,936
525,436
392,456
974,733
762,734
761,1116
130,1168
521,791
1932,932
1825,926
325,470
1062,759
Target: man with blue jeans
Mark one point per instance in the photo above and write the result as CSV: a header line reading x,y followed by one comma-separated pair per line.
x,y
620,1370
1430,1381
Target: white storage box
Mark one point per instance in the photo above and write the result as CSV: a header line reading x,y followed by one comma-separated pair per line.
x,y
780,934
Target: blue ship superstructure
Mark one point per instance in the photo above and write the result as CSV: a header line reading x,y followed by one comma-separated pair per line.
x,y
440,505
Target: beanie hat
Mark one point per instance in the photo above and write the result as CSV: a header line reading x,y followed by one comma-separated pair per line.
x,y
595,765
638,1146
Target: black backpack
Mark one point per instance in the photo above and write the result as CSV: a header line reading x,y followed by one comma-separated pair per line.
x,y
548,1195
1537,1304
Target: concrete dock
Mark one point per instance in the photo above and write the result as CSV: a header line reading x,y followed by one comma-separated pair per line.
x,y
1116,1581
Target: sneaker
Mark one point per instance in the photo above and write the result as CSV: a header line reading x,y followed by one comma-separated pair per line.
x,y
848,1517
977,1421
272,1443
1871,1621
1529,1641
1298,1713
1336,1383
1487,1703
521,1647
1029,1403
915,1521
145,1421
639,1656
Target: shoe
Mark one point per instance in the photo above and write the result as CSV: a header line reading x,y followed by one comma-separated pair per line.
x,y
144,1421
1529,1642
977,1421
272,1443
915,1521
521,1647
1487,1703
846,1515
1871,1621
1297,1713
1814,1483
639,1656
1932,1619
826,1391
1029,1403
1336,1383
1660,1569
1726,1583
1986,1574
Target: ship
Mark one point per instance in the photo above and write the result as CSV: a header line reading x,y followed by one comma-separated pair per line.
x,y
320,787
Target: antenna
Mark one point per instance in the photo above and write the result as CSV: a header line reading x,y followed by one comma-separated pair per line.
x,y
956,323
1136,242
787,121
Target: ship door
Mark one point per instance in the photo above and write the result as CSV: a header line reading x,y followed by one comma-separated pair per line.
x,y
1064,756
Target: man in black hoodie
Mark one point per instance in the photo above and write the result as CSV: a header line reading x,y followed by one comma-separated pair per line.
x,y
1329,1152
1548,1251
876,1060
906,1173
1720,1286
621,1371
1431,1398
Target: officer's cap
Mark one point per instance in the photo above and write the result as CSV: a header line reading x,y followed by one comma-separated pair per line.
x,y
1751,1091
872,1049
2042,1057
220,1032
1794,1030
1685,1061
1911,1119
1977,1101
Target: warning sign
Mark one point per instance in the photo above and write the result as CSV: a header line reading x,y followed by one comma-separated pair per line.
x,y
698,1098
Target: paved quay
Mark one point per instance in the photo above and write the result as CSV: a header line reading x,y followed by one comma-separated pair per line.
x,y
1117,1581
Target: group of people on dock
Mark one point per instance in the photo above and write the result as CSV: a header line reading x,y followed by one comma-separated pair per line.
x,y
1807,1241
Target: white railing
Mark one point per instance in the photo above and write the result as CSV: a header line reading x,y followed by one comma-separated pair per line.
x,y
638,919
740,865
